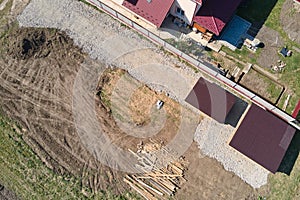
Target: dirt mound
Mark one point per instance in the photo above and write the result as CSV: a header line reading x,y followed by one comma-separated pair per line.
x,y
290,20
37,43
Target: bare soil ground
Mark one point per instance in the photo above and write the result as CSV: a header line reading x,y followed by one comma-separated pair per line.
x,y
6,194
37,70
207,179
140,104
290,20
273,42
261,85
254,81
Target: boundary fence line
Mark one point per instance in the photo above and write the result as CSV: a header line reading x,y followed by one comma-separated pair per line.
x,y
213,73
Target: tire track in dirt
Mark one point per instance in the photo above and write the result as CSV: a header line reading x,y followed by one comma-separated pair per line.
x,y
36,90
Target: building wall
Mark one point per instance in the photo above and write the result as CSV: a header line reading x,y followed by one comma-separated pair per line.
x,y
188,6
118,1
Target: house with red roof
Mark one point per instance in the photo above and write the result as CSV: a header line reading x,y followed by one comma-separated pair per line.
x,y
214,15
153,11
204,15
185,10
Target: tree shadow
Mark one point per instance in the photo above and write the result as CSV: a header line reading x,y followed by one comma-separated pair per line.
x,y
252,12
291,155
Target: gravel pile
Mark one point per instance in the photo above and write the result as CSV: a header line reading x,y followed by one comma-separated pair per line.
x,y
98,34
213,137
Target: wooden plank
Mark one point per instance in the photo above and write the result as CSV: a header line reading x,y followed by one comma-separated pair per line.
x,y
148,186
148,194
135,188
161,175
167,184
161,187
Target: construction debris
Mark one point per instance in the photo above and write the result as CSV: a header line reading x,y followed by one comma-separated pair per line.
x,y
252,44
155,182
279,66
286,102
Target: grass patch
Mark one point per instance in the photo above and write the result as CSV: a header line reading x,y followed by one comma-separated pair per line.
x,y
284,186
4,12
244,54
24,173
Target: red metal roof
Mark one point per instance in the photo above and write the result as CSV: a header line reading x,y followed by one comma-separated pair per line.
x,y
214,14
155,11
297,108
263,137
211,99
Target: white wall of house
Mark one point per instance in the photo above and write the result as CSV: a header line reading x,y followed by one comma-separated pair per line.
x,y
188,6
118,1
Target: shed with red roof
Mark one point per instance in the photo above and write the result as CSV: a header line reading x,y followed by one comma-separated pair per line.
x,y
211,99
263,137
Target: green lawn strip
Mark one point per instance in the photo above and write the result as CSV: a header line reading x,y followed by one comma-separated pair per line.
x,y
243,54
291,77
24,173
6,9
13,182
24,166
285,187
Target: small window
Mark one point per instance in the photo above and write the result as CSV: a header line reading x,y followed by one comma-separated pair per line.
x,y
182,12
179,11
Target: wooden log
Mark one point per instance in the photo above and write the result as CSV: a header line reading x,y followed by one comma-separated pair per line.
x,y
160,187
148,186
136,188
176,169
161,175
179,165
147,193
167,184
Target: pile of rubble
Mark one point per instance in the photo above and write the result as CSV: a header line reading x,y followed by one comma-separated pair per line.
x,y
279,66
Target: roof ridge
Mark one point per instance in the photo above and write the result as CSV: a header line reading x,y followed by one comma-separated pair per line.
x,y
215,23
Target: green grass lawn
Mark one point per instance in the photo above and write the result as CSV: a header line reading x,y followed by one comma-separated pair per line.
x,y
287,187
24,173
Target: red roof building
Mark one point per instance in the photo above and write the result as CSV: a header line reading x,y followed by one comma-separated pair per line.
x,y
297,109
153,11
263,137
211,99
214,14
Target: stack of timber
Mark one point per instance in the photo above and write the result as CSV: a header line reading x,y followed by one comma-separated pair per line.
x,y
157,183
